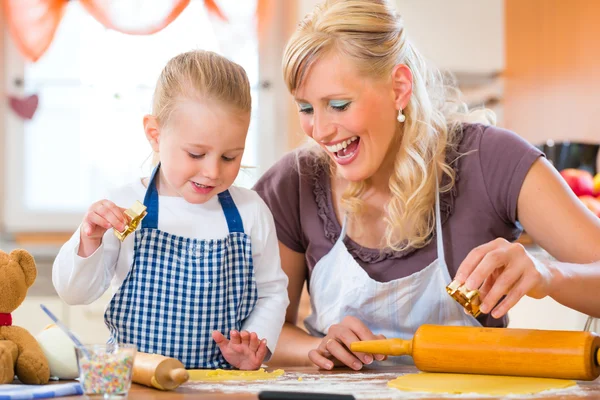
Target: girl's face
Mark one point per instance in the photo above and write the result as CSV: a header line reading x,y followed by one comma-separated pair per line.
x,y
200,149
352,117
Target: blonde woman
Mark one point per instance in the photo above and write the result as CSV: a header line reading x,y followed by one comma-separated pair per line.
x,y
201,280
400,194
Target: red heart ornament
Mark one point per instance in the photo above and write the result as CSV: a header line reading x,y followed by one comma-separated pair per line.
x,y
24,107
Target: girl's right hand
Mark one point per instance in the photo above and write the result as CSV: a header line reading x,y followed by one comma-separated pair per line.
x,y
334,349
100,217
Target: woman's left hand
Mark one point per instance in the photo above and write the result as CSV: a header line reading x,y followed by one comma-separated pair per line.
x,y
500,268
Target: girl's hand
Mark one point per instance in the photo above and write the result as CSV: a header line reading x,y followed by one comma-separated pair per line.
x,y
334,349
101,216
243,350
500,268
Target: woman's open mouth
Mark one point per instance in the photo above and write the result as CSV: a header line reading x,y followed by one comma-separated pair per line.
x,y
345,151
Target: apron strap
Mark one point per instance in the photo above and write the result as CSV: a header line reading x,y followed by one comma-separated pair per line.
x,y
438,232
344,225
234,220
151,202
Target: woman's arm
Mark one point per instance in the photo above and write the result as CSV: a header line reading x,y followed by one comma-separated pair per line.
x,y
559,223
562,225
294,343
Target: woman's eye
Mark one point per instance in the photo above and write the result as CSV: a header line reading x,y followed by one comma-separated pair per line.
x,y
228,158
195,156
305,108
339,105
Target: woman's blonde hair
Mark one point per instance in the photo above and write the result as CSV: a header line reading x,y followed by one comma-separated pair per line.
x,y
200,75
371,33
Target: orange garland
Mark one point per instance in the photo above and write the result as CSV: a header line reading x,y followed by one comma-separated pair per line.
x,y
33,23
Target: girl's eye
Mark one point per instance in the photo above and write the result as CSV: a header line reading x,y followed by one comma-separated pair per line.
x,y
305,108
228,159
339,105
195,156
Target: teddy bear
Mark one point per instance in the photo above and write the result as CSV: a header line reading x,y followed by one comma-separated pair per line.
x,y
20,353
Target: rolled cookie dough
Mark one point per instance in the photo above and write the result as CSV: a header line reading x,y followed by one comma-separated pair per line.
x,y
480,384
213,375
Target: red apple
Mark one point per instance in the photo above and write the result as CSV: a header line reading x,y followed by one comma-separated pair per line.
x,y
592,203
580,181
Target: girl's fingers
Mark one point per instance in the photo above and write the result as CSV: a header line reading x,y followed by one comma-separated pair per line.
x,y
245,337
254,342
234,337
261,352
220,340
94,220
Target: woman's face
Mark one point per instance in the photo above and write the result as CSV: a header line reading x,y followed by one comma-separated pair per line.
x,y
352,117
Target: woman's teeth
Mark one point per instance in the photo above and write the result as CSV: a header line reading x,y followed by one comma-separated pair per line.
x,y
201,186
341,145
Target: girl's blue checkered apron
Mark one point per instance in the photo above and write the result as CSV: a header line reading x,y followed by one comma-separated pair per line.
x,y
181,289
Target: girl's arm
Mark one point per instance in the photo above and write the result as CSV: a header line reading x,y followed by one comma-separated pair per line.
x,y
294,343
82,280
268,314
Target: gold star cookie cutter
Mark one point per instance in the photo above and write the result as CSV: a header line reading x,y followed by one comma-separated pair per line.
x,y
135,214
469,299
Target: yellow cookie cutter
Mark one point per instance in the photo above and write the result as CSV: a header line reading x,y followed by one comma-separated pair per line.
x,y
136,213
469,299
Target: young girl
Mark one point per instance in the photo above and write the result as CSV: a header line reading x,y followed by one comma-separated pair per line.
x,y
205,262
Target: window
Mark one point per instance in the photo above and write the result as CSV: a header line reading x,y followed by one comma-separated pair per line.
x,y
94,86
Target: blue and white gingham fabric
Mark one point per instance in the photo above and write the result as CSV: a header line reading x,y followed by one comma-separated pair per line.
x,y
180,289
26,392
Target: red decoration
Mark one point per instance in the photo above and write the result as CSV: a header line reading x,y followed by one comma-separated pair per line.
x,y
24,107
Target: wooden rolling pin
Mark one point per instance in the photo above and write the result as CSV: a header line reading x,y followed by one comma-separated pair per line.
x,y
496,351
158,371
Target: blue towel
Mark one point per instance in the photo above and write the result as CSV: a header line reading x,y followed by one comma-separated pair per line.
x,y
26,392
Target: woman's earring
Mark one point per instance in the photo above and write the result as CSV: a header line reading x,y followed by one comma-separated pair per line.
x,y
401,117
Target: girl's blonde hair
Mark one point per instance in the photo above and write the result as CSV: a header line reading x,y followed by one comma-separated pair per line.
x,y
200,75
371,33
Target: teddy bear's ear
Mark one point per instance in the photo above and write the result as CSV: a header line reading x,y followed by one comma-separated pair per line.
x,y
27,263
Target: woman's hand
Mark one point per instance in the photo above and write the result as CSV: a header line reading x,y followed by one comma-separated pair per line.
x,y
243,350
500,268
334,349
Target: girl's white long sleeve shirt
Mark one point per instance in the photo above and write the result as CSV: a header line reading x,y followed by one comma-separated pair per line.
x,y
80,280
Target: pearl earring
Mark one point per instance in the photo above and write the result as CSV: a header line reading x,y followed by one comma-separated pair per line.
x,y
401,117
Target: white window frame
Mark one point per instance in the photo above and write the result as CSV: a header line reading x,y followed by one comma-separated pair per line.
x,y
272,128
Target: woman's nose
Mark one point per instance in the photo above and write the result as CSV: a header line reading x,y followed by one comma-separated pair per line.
x,y
322,128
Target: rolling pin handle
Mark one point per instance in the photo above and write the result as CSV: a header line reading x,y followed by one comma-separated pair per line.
x,y
390,347
179,375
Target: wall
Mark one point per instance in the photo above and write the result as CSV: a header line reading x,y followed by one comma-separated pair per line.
x,y
457,35
552,82
3,110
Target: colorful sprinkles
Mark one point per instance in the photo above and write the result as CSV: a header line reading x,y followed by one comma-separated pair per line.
x,y
106,373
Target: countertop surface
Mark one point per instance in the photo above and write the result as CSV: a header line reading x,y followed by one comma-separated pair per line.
x,y
366,384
